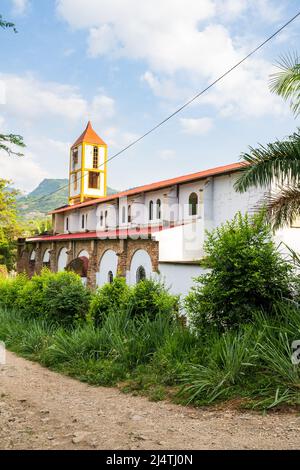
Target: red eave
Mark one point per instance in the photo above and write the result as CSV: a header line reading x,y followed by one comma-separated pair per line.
x,y
118,233
158,185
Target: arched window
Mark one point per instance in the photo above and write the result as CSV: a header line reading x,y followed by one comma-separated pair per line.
x,y
110,277
123,215
129,214
151,210
193,204
140,274
95,157
158,209
67,224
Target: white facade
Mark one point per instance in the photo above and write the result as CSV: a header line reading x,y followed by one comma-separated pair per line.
x,y
178,224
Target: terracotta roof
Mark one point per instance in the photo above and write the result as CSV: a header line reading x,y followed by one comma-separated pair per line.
x,y
118,233
89,136
158,185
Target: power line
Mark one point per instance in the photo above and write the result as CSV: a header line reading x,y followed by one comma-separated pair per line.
x,y
134,142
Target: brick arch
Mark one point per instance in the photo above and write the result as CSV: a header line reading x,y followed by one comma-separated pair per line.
x,y
150,246
59,265
108,263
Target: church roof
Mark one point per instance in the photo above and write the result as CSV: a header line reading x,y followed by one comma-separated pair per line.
x,y
157,185
89,136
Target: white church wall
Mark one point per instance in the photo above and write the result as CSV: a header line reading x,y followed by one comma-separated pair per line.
x,y
227,202
154,196
62,259
181,243
140,258
179,277
108,262
185,190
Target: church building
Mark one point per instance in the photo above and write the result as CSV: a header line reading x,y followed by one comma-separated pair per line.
x,y
156,230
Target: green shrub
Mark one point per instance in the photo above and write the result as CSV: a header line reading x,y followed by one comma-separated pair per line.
x,y
66,298
10,290
150,298
109,298
247,274
59,297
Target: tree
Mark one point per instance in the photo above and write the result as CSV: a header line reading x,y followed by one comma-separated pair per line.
x,y
247,274
278,162
13,139
7,24
9,226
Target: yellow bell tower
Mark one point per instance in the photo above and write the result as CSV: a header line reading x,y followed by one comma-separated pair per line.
x,y
88,162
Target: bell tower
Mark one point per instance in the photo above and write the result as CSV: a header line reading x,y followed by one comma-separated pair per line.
x,y
87,173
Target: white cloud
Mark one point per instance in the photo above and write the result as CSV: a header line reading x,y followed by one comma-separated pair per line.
x,y
167,154
190,39
20,6
196,126
25,172
30,99
165,88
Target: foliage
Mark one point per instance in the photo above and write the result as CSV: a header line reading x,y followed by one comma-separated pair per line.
x,y
246,274
286,82
60,297
112,297
10,289
251,366
3,271
15,140
150,298
67,298
278,162
9,224
7,24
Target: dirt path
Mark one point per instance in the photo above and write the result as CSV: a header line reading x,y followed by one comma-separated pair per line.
x,y
40,409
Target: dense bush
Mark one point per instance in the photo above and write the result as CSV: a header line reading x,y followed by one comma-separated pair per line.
x,y
147,298
10,290
150,298
60,297
112,297
246,274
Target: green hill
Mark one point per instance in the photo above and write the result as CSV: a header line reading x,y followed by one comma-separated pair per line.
x,y
42,200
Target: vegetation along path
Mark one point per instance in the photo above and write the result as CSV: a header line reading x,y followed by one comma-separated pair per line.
x,y
40,409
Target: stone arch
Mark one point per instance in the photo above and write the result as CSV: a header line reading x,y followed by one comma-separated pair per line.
x,y
83,253
140,260
108,267
46,258
62,259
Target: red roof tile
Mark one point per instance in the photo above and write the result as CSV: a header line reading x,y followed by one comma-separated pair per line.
x,y
118,233
157,185
89,136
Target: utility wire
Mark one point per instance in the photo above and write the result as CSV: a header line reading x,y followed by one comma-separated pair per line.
x,y
134,142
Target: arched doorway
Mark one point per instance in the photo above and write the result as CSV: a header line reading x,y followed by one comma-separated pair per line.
x,y
140,267
46,259
108,268
62,259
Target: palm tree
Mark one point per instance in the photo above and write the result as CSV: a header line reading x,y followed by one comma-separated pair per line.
x,y
278,162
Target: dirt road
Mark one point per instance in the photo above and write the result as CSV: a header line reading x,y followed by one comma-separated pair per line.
x,y
40,409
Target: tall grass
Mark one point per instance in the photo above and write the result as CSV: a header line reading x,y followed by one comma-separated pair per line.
x,y
252,363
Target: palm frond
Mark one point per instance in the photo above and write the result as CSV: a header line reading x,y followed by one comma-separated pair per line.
x,y
286,82
278,161
282,207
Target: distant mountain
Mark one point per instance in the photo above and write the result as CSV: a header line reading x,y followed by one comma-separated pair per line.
x,y
42,200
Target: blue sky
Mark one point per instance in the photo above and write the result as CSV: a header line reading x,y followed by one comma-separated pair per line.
x,y
126,65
